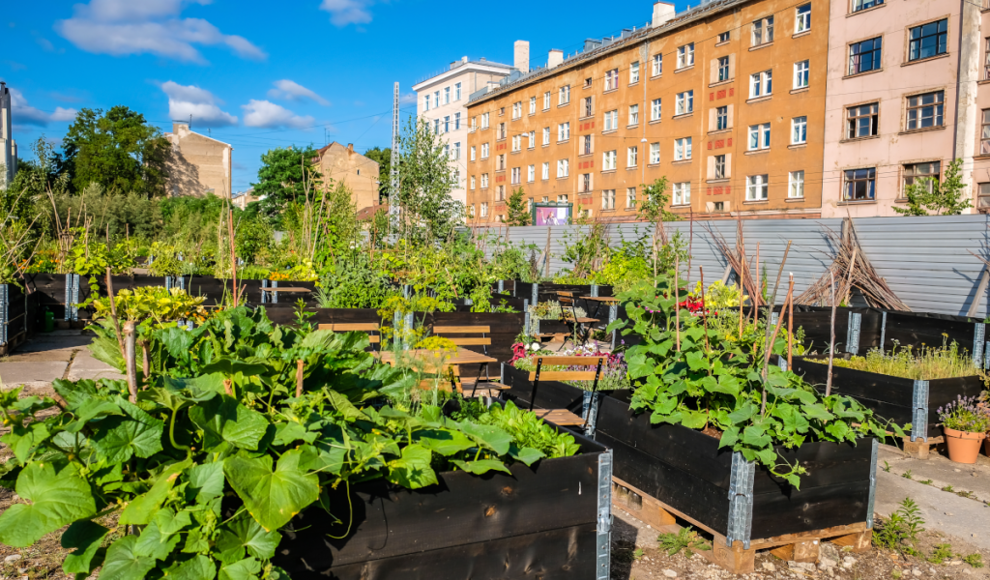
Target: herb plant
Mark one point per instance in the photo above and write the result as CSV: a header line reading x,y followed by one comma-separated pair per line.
x,y
928,363
965,414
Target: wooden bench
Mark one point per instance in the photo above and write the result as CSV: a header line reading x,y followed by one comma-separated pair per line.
x,y
564,417
479,387
368,327
566,298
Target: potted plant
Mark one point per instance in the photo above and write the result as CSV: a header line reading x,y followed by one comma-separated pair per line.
x,y
965,423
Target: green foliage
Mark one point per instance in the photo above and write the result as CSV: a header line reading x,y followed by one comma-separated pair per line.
x,y
685,539
928,195
928,363
516,212
653,205
218,453
900,531
152,302
975,560
118,150
713,379
426,180
941,553
382,156
354,283
285,177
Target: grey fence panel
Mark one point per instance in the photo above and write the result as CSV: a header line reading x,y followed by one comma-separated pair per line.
x,y
808,258
926,260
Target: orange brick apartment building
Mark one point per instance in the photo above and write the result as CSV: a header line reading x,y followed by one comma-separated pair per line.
x,y
726,101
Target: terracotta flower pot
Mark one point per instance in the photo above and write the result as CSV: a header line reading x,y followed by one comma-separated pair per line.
x,y
963,447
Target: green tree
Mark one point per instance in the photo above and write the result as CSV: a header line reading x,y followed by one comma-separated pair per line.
x,y
653,205
425,181
118,150
517,214
285,176
383,156
929,196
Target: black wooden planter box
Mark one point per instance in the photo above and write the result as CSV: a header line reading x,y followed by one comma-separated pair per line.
x,y
896,399
548,521
18,316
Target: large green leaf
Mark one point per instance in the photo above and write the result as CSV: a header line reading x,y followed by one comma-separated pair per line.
x,y
142,509
123,562
155,544
492,437
56,501
84,538
199,567
205,481
272,497
246,534
224,419
443,441
413,469
246,569
123,437
482,466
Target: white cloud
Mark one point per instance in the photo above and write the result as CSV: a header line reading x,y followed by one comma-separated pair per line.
x,y
184,101
24,114
344,12
123,27
293,91
268,114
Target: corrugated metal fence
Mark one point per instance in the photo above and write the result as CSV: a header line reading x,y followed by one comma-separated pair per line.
x,y
926,261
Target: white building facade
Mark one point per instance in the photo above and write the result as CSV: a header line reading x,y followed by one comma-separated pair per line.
x,y
8,148
442,100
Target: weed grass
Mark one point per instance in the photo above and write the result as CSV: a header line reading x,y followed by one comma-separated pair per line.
x,y
927,363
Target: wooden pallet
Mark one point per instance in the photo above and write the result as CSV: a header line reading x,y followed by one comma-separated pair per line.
x,y
802,547
921,449
8,347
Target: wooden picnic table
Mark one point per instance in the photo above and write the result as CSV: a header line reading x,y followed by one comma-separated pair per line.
x,y
285,289
461,356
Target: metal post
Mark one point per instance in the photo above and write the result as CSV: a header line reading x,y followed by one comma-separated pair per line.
x,y
536,294
852,333
594,290
264,292
883,331
919,415
613,314
979,334
873,484
4,312
408,325
75,297
603,543
740,522
275,294
68,297
501,286
393,206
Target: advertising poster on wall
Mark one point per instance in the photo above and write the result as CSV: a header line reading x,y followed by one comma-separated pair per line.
x,y
551,214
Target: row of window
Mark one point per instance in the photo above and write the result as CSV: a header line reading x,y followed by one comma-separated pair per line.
x,y
444,96
924,41
444,125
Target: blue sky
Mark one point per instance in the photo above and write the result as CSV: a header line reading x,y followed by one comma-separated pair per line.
x,y
258,74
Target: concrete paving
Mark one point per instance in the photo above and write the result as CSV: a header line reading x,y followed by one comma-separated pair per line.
x,y
55,355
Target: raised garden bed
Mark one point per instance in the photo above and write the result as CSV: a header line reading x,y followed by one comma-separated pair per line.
x,y
540,522
18,316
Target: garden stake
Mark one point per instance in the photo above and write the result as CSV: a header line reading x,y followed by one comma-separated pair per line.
x,y
852,266
831,347
758,286
113,313
130,359
773,296
690,241
299,377
704,306
677,308
766,355
233,255
790,324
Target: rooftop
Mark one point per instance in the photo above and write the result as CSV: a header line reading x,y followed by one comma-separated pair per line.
x,y
464,62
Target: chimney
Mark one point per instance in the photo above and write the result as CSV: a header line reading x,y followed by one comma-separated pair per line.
x,y
556,58
464,59
350,147
663,13
176,126
520,51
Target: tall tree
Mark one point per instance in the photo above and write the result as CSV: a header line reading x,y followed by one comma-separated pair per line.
x,y
284,177
383,156
516,214
425,182
929,196
118,150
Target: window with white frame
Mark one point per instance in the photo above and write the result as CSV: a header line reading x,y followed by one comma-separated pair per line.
x,y
682,193
612,79
986,59
654,153
802,19
985,132
685,55
719,168
532,139
608,160
634,72
457,121
436,126
516,174
531,173
516,143
457,92
795,184
562,199
588,109
516,110
499,193
925,110
500,132
630,197
983,197
563,132
587,147
862,120
657,65
484,209
684,103
546,135
456,152
608,199
565,95
723,69
532,105
426,103
446,95
473,182
563,168
446,124
761,84
682,149
500,162
484,181
756,187
584,183
759,136
484,120
722,118
546,100
762,31
484,150
799,130
457,177
723,37
546,171
801,73
632,156
655,110
612,120
474,153
634,114
436,99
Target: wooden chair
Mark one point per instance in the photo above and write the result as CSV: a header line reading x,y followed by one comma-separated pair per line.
x,y
369,327
484,341
564,417
567,298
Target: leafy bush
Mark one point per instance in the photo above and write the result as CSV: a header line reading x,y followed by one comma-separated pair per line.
x,y
965,414
900,531
929,363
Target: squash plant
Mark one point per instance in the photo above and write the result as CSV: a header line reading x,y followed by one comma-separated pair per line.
x,y
701,378
196,477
